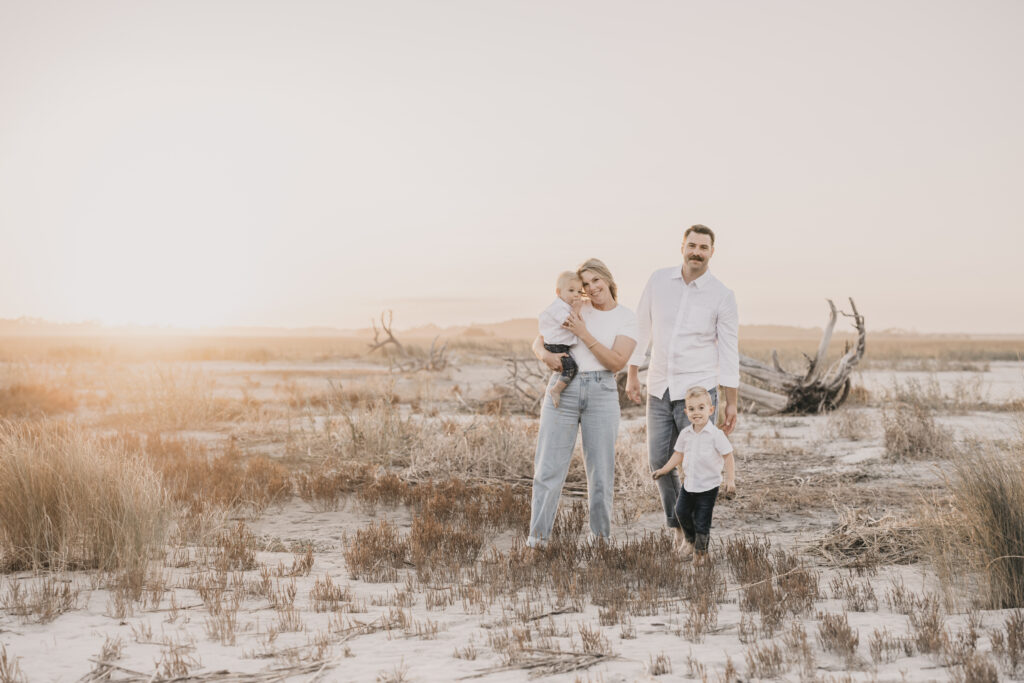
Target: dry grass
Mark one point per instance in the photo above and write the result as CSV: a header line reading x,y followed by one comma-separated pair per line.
x,y
860,541
10,669
167,398
911,433
846,423
43,601
981,533
35,400
835,635
69,500
231,479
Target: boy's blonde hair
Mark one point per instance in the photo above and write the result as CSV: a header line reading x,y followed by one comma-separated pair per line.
x,y
565,278
698,392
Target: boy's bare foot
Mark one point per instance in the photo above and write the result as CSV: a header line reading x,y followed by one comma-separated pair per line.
x,y
555,392
685,550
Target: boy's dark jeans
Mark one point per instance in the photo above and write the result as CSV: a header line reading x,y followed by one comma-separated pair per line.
x,y
569,367
693,512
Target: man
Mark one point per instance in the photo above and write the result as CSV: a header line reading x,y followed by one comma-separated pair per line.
x,y
689,319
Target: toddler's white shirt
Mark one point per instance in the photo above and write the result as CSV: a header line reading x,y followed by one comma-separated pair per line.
x,y
550,323
702,457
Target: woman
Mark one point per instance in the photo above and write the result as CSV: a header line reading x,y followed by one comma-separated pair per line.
x,y
607,334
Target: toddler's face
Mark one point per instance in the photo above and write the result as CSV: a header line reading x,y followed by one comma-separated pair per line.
x,y
699,411
571,293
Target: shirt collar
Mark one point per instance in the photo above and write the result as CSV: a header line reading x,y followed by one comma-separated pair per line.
x,y
709,427
699,283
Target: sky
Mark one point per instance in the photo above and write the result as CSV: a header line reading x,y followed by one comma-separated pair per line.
x,y
244,162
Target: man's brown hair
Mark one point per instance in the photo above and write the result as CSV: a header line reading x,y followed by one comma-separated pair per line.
x,y
700,230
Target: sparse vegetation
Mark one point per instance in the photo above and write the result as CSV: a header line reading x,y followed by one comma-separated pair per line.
x,y
911,433
421,483
980,534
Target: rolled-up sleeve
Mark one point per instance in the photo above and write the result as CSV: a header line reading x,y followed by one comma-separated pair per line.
x,y
643,326
728,342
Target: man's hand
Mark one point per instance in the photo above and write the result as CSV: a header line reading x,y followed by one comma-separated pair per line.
x,y
633,385
730,416
728,491
658,474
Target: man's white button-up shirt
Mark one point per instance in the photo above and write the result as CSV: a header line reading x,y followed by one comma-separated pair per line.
x,y
692,330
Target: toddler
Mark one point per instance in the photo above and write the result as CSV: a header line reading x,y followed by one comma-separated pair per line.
x,y
557,339
703,450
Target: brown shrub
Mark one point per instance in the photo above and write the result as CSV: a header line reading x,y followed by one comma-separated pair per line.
x,y
376,553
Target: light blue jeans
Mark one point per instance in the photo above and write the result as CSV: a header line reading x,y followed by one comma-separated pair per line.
x,y
589,404
665,419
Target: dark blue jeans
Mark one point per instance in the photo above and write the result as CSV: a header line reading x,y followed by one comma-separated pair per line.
x,y
693,512
665,419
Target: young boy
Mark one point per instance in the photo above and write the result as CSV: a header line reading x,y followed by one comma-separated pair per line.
x,y
557,339
703,450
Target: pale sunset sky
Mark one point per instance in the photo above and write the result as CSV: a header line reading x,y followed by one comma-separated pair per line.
x,y
244,162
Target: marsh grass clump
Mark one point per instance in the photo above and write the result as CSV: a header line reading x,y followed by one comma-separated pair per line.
x,y
10,669
835,635
376,553
773,583
927,627
168,398
36,400
42,602
381,432
327,487
981,532
854,425
857,596
231,479
237,549
70,501
766,660
911,433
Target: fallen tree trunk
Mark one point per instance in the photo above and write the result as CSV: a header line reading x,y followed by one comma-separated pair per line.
x,y
819,389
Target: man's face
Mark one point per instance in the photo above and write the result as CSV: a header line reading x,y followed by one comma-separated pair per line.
x,y
697,250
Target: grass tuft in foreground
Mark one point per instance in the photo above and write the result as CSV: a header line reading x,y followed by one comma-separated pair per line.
x,y
70,501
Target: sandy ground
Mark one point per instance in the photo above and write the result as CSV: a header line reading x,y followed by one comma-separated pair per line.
x,y
791,455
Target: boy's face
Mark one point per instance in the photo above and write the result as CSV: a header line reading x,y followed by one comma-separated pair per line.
x,y
570,294
699,411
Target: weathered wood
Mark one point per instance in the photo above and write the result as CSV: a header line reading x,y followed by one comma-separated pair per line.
x,y
436,359
817,390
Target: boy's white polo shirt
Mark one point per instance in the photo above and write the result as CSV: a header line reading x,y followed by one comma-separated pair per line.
x,y
702,457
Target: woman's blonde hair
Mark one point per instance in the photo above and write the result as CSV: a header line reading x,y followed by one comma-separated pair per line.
x,y
598,267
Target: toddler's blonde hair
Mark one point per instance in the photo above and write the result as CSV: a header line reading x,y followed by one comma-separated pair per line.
x,y
565,278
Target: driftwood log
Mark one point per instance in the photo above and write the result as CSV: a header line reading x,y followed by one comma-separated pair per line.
x,y
819,389
435,360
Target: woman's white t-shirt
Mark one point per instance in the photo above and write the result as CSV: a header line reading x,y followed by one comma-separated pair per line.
x,y
605,326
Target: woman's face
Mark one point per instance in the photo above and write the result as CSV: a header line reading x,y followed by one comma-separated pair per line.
x,y
595,288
